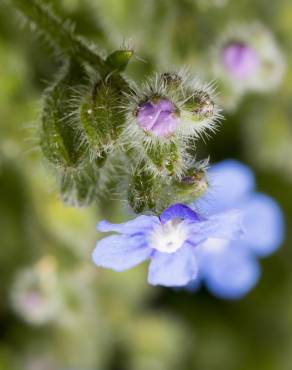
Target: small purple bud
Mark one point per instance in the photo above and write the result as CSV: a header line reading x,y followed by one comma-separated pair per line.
x,y
158,117
240,60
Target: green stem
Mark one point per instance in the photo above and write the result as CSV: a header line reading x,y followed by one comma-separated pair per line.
x,y
60,33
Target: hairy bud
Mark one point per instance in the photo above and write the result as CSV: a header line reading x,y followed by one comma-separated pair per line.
x,y
191,186
102,118
171,79
164,116
58,139
201,106
147,192
119,59
245,58
158,116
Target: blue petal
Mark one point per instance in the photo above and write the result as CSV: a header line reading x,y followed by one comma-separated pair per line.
x,y
140,224
173,269
231,273
225,225
178,211
194,285
264,224
230,181
121,252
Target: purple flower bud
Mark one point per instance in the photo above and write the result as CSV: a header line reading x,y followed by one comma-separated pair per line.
x,y
240,60
158,117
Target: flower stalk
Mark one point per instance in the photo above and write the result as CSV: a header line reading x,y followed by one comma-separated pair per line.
x,y
60,33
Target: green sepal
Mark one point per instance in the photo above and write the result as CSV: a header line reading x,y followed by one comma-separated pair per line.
x,y
102,118
141,191
200,106
164,156
59,141
149,193
119,59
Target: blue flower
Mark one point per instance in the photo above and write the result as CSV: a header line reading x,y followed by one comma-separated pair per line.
x,y
230,268
170,242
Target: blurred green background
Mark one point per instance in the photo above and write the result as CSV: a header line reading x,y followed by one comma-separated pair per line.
x,y
57,311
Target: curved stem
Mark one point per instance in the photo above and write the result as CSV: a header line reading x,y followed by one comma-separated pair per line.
x,y
60,33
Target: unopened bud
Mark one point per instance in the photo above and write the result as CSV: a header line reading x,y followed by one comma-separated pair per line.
x,y
58,139
192,185
102,118
171,79
34,293
240,60
119,59
201,105
171,107
245,58
158,116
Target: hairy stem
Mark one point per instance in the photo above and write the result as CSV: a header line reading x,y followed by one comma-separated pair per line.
x,y
60,33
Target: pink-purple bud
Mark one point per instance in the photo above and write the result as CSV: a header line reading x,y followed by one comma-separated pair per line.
x,y
240,60
158,117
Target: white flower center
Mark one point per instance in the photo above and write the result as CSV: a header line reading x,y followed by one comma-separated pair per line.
x,y
169,237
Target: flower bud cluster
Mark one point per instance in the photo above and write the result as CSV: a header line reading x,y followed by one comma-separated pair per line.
x,y
88,128
78,131
147,192
163,116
